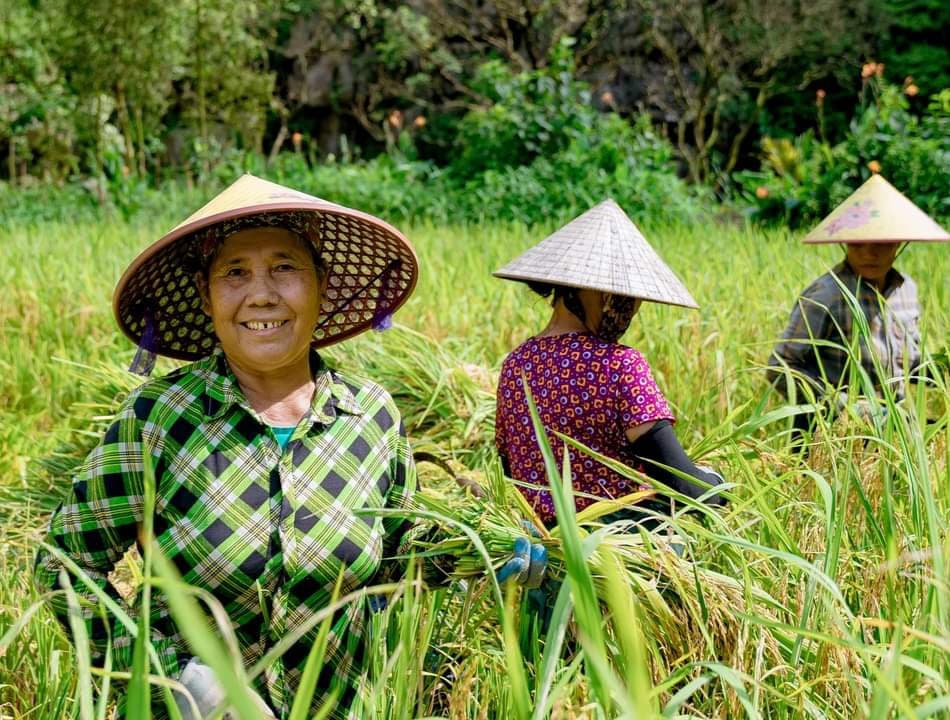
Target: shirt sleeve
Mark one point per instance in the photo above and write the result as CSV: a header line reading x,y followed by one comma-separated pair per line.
x,y
401,492
639,398
403,534
912,330
94,527
810,318
500,415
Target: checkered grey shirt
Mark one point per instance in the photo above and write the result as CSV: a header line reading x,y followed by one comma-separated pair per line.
x,y
821,328
267,531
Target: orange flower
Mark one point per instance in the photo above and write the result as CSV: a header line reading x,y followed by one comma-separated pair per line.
x,y
761,192
911,90
419,122
820,97
874,166
607,98
395,119
297,139
868,69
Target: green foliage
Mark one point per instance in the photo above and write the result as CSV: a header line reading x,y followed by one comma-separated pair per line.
x,y
801,180
535,113
97,88
631,163
36,107
634,165
916,42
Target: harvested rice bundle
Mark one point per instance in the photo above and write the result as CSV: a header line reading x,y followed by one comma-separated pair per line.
x,y
686,609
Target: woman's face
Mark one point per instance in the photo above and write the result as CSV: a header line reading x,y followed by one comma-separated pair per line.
x,y
872,261
263,294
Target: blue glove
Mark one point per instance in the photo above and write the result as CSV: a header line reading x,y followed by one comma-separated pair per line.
x,y
377,603
528,563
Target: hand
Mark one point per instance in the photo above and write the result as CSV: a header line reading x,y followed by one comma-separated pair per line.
x,y
377,603
466,483
864,408
715,479
528,563
199,680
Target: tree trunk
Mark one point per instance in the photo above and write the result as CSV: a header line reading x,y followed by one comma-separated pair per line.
x,y
140,132
100,184
126,125
11,162
200,76
278,142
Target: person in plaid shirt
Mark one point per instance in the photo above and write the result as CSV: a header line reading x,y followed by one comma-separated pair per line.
x,y
264,457
815,345
821,340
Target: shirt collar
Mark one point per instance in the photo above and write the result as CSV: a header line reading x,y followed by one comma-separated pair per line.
x,y
222,390
892,280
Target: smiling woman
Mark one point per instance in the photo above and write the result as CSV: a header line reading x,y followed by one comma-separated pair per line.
x,y
263,291
264,457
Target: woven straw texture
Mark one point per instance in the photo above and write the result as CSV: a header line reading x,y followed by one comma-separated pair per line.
x,y
601,250
877,212
372,270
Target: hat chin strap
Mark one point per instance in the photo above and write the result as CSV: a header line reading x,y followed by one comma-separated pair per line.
x,y
144,361
382,317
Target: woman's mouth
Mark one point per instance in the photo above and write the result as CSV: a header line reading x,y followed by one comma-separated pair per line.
x,y
264,324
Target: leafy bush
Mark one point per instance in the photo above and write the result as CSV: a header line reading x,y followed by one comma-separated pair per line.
x,y
801,180
632,164
533,114
570,172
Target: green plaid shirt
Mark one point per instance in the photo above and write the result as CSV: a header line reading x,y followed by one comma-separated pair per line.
x,y
267,531
823,314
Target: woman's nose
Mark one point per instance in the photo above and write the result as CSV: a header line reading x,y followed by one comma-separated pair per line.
x,y
262,290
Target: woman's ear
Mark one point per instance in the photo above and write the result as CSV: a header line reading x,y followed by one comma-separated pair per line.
x,y
323,277
202,282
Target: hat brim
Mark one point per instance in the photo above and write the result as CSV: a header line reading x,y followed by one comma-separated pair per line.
x,y
372,269
824,240
686,302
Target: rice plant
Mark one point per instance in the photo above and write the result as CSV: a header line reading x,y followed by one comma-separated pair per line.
x,y
822,591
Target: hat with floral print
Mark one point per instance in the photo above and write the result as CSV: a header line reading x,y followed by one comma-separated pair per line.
x,y
371,269
601,250
877,212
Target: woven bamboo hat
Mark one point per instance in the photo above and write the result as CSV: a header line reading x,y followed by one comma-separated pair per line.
x,y
601,250
372,268
877,212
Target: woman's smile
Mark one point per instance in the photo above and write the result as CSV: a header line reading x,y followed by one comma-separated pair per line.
x,y
262,326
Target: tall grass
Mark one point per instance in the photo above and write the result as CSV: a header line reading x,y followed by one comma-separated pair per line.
x,y
822,591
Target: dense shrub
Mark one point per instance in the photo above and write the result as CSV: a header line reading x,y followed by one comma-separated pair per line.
x,y
802,179
533,114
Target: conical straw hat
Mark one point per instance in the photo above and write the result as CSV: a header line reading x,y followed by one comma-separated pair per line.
x,y
601,250
877,212
372,268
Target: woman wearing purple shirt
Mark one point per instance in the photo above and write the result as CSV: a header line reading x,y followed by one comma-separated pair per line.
x,y
597,270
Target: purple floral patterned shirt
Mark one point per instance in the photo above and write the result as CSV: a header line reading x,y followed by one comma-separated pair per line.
x,y
588,389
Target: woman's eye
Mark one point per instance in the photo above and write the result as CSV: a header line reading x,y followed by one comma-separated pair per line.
x,y
285,267
234,272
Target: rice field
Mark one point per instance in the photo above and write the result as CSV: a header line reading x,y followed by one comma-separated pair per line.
x,y
822,591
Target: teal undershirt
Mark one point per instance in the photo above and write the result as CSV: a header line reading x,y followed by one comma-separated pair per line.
x,y
283,435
